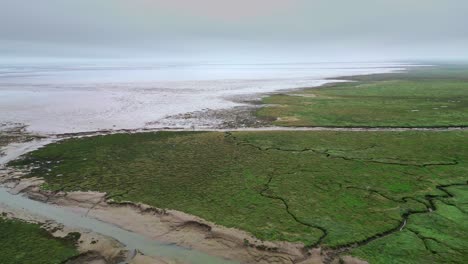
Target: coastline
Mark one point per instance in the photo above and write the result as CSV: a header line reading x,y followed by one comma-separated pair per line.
x,y
177,227
95,104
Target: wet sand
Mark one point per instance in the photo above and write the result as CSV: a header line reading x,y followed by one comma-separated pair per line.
x,y
52,99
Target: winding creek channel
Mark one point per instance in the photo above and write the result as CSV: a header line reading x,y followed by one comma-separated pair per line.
x,y
152,247
132,241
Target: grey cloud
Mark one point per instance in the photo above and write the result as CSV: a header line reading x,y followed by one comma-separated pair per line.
x,y
378,28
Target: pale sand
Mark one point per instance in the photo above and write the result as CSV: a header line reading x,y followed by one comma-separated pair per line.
x,y
71,98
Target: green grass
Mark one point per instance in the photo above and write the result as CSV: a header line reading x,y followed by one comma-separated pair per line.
x,y
25,243
352,185
327,188
438,237
423,97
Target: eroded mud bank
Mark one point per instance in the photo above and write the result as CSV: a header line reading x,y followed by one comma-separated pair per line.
x,y
168,227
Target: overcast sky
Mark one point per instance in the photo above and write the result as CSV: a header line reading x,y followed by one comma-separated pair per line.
x,y
297,29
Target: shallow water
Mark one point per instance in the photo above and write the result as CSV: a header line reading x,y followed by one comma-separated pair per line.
x,y
131,240
62,98
70,218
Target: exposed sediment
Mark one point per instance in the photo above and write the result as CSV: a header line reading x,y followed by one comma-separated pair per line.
x,y
168,226
92,247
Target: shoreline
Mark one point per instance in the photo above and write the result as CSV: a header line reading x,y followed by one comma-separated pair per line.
x,y
225,101
226,240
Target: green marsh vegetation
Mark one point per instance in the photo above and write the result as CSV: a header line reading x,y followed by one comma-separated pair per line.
x,y
386,197
438,237
423,97
327,188
26,243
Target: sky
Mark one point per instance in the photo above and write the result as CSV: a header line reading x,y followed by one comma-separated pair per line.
x,y
299,30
